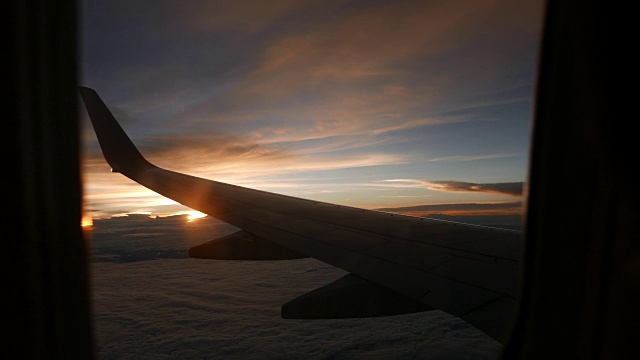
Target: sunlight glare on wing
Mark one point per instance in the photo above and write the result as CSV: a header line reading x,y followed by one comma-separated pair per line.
x,y
194,215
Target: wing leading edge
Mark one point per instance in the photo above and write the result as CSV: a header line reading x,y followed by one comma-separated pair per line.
x,y
468,271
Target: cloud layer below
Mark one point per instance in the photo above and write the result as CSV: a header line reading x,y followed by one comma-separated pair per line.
x,y
150,301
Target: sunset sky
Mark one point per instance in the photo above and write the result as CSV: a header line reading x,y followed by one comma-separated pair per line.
x,y
372,104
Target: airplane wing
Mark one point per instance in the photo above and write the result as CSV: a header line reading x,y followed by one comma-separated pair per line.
x,y
396,264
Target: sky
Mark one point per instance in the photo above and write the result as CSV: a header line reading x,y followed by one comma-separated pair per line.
x,y
372,104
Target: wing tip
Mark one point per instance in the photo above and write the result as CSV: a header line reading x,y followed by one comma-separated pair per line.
x,y
118,149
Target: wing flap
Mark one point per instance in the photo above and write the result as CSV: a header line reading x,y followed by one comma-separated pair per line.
x,y
494,318
242,246
350,297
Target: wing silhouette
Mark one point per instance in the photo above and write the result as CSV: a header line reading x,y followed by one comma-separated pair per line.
x,y
397,264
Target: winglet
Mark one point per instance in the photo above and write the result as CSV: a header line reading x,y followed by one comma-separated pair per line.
x,y
121,154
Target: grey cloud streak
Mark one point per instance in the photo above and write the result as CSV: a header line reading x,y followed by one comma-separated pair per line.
x,y
510,188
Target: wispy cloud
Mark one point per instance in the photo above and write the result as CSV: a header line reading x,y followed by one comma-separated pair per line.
x,y
324,129
233,161
510,188
359,70
475,157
